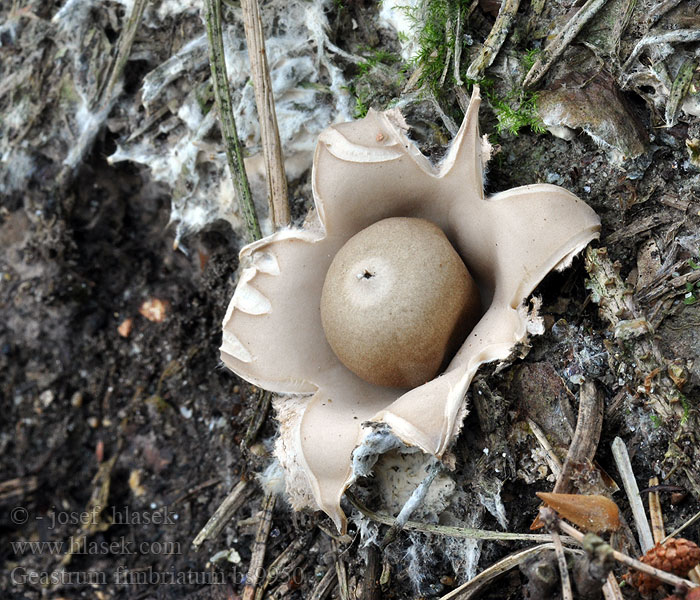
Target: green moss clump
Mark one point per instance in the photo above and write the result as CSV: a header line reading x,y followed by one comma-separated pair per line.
x,y
435,25
376,77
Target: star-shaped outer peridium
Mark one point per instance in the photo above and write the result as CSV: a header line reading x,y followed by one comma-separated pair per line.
x,y
365,171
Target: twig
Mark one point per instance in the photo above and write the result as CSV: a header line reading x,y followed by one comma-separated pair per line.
x,y
458,49
621,24
638,226
622,460
462,98
470,588
552,458
195,490
566,592
494,40
259,546
656,39
340,569
269,132
617,305
655,515
371,589
448,57
126,41
323,587
679,88
563,39
334,535
222,96
661,9
223,514
688,523
99,521
664,576
549,517
258,418
15,489
671,286
455,532
583,446
412,503
611,589
447,120
288,560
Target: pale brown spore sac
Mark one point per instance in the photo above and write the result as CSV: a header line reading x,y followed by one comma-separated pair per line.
x,y
397,301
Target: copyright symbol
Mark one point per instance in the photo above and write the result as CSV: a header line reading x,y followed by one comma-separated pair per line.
x,y
19,515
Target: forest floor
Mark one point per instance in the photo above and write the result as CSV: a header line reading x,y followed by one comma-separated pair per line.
x,y
120,428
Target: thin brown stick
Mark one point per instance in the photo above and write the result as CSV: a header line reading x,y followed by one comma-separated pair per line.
x,y
222,515
563,39
688,523
257,419
469,589
342,572
566,592
222,97
494,40
611,589
259,547
370,586
289,560
655,515
552,459
323,587
448,530
586,437
660,10
17,488
624,467
269,132
126,41
681,36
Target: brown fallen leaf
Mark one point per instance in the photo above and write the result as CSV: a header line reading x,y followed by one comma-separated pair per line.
x,y
591,513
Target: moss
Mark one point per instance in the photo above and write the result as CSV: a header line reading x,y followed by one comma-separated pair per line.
x,y
515,111
377,82
435,29
530,58
434,24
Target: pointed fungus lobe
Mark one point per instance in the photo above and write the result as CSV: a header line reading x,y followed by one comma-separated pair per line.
x,y
277,336
592,513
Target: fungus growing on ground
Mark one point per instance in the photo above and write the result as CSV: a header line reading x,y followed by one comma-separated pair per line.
x,y
364,173
396,298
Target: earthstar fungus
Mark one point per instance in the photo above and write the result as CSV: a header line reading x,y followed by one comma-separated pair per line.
x,y
363,173
396,297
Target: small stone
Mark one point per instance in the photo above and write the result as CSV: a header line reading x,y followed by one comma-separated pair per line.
x,y
154,309
124,328
46,398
